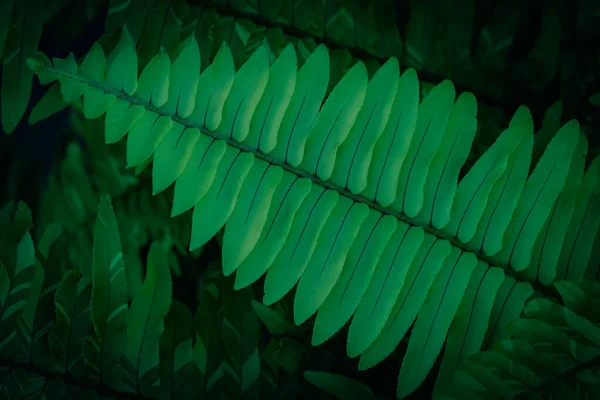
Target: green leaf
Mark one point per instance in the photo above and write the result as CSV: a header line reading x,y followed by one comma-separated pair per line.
x,y
473,190
162,28
214,86
291,355
351,170
25,324
108,304
340,386
538,343
5,12
208,348
15,291
288,196
72,325
42,387
38,65
440,187
48,239
385,286
183,84
425,267
508,305
241,336
52,103
484,382
4,283
248,86
15,381
20,224
95,101
429,332
154,83
325,265
469,326
147,130
510,369
70,89
311,84
560,351
575,258
130,13
176,356
565,320
581,296
122,71
356,275
199,173
550,125
117,14
537,199
391,148
275,324
249,215
271,384
505,193
432,119
172,155
340,22
26,24
145,324
38,350
269,113
269,9
144,137
120,118
546,255
341,62
215,208
334,121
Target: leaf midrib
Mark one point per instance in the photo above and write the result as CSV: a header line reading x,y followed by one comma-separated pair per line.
x,y
354,197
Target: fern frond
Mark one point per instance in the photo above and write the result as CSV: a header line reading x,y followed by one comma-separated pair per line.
x,y
365,168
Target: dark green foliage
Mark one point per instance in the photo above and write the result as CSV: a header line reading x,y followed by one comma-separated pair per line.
x,y
97,343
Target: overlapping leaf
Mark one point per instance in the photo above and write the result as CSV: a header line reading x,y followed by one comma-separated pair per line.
x,y
108,306
145,325
554,352
72,325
